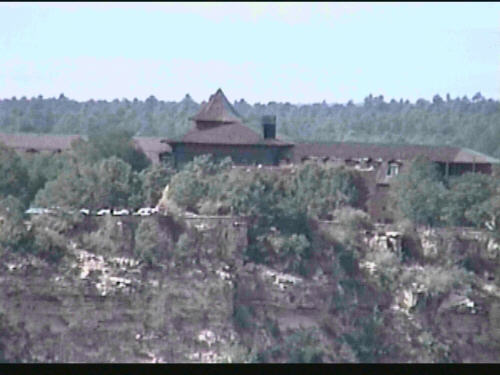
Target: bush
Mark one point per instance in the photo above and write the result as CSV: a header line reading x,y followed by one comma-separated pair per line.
x,y
464,199
49,244
494,320
111,237
147,241
14,177
303,346
367,341
197,181
13,233
353,219
186,246
419,193
436,280
242,317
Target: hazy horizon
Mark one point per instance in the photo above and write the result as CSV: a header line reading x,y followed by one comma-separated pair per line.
x,y
260,52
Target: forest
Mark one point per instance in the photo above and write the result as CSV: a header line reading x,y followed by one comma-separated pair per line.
x,y
465,122
359,285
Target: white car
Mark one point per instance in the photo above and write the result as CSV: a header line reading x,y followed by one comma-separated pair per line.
x,y
35,211
38,211
146,211
85,211
104,211
121,212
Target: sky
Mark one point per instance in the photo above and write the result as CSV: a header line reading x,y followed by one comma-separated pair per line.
x,y
260,52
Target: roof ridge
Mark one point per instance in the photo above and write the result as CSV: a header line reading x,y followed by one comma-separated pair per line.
x,y
218,109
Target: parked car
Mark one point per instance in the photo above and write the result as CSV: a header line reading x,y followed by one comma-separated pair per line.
x,y
121,212
85,211
145,211
35,211
104,211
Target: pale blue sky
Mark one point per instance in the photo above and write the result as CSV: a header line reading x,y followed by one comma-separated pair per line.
x,y
295,52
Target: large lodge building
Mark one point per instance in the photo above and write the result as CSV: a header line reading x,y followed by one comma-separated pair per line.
x,y
219,130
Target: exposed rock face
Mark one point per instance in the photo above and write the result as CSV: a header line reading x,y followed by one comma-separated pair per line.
x,y
97,308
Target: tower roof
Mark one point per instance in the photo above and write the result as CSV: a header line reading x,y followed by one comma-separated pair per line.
x,y
218,110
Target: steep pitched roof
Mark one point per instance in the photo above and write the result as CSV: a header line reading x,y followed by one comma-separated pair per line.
x,y
218,123
388,152
227,134
218,110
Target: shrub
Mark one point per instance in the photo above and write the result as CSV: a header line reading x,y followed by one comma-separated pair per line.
x,y
147,241
419,193
242,317
437,280
353,219
13,233
186,246
494,320
367,341
110,238
49,244
303,346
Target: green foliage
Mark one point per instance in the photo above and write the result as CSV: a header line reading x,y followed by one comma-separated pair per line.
x,y
14,177
353,219
49,244
465,197
487,213
458,121
437,280
154,179
42,167
147,241
186,247
111,238
318,189
292,250
494,321
303,347
196,181
106,184
114,177
367,341
242,316
419,193
13,233
104,144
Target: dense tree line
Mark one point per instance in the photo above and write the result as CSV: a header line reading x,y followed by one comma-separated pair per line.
x,y
473,123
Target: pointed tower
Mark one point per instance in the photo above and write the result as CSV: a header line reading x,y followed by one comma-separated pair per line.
x,y
217,111
219,131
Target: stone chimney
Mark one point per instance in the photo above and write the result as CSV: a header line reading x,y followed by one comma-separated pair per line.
x,y
269,127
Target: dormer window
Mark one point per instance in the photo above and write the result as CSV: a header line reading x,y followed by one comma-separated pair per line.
x,y
393,169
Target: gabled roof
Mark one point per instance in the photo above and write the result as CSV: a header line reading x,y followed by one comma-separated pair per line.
x,y
388,152
218,110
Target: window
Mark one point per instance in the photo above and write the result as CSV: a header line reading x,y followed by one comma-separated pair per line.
x,y
393,169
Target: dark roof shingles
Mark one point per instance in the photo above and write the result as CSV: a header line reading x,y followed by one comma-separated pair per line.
x,y
218,109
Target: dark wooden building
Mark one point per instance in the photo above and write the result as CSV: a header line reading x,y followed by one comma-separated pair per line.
x,y
218,130
380,163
